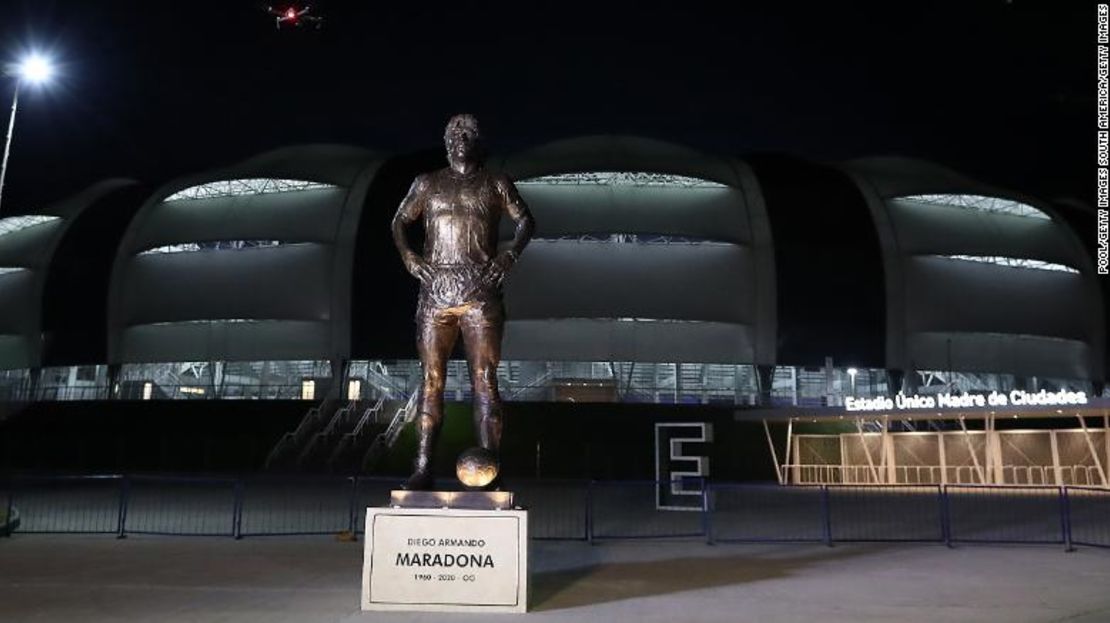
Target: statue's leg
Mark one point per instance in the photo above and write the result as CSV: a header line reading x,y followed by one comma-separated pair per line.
x,y
482,327
436,333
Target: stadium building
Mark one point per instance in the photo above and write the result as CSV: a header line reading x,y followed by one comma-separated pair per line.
x,y
859,319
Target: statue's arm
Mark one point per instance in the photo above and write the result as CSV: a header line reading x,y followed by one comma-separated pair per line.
x,y
411,208
518,211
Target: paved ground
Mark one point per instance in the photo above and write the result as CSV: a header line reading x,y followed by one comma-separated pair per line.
x,y
309,580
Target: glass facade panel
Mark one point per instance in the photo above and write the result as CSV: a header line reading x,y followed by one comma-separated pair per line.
x,y
241,187
994,205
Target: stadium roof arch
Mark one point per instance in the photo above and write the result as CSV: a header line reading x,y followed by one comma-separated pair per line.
x,y
980,278
249,262
54,264
643,251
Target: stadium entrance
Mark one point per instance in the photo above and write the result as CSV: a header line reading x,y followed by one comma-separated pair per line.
x,y
1021,444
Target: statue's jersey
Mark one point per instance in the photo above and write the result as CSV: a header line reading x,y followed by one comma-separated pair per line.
x,y
461,216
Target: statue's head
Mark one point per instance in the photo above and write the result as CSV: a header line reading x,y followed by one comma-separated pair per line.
x,y
463,139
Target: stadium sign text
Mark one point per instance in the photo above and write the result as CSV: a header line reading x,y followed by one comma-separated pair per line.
x,y
1017,398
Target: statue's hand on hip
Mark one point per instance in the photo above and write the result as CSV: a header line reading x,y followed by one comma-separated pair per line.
x,y
498,268
418,268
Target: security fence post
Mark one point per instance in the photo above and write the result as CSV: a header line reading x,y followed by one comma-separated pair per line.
x,y
237,511
590,512
10,527
1065,519
706,516
124,500
826,516
945,516
352,508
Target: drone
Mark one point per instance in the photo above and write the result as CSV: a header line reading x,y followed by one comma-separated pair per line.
x,y
294,15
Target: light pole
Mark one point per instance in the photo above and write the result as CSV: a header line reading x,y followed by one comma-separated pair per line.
x,y
852,372
34,69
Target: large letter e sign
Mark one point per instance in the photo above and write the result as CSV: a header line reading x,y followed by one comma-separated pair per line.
x,y
681,464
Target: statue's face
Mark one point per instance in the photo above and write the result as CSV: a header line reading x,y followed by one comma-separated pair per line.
x,y
461,139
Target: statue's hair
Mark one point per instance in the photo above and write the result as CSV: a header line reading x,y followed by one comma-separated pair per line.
x,y
467,121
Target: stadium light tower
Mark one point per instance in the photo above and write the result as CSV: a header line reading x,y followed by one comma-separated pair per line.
x,y
33,69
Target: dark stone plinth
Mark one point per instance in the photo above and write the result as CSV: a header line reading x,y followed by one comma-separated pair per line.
x,y
476,500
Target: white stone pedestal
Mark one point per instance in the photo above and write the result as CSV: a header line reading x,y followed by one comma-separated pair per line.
x,y
445,560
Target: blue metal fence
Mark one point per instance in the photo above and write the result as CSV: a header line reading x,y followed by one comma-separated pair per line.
x,y
761,513
68,504
573,510
631,510
1087,513
886,513
287,506
997,514
180,506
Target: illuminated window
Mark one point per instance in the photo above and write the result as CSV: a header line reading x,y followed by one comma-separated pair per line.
x,y
1012,262
250,186
621,178
308,390
214,245
993,205
648,239
209,321
354,389
13,224
653,320
148,390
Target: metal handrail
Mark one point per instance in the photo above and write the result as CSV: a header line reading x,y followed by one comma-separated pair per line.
x,y
340,413
367,416
1010,475
543,378
403,416
233,507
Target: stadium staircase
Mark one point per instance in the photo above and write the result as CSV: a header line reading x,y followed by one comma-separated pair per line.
x,y
289,449
351,445
318,450
642,384
378,376
381,444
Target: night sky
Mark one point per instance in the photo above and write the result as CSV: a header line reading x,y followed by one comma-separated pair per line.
x,y
154,90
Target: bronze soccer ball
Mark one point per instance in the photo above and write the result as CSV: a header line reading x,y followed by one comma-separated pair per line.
x,y
476,467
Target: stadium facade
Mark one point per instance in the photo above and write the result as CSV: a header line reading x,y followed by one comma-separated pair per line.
x,y
658,274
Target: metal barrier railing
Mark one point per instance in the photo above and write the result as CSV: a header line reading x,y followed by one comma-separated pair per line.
x,y
1007,514
67,504
769,513
886,513
184,506
271,506
1007,475
573,509
632,510
1088,515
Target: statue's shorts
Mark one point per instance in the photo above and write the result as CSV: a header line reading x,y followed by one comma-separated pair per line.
x,y
458,297
488,313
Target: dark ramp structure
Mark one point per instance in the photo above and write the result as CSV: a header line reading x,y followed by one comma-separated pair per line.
x,y
828,267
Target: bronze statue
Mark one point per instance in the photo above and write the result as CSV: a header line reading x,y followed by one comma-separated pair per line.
x,y
460,275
